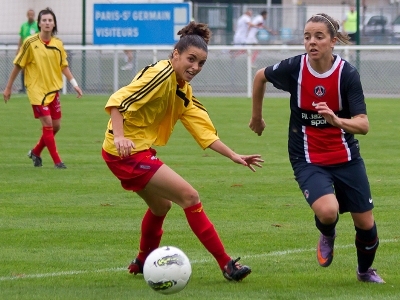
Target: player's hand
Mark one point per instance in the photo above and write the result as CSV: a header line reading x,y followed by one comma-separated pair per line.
x,y
249,160
328,114
124,146
78,91
7,94
257,125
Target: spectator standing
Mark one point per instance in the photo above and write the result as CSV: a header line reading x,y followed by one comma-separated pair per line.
x,y
27,29
350,23
129,60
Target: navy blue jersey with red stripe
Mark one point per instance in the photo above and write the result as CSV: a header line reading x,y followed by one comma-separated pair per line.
x,y
311,138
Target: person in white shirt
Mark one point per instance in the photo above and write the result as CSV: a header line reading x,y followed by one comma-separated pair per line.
x,y
242,28
257,24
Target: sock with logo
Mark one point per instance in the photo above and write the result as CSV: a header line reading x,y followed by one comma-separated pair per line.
x,y
50,142
151,233
206,233
367,243
326,229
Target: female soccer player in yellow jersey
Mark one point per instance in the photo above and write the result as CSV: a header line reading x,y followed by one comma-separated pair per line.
x,y
44,60
143,114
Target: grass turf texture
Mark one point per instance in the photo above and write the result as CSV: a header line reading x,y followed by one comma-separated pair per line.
x,y
70,234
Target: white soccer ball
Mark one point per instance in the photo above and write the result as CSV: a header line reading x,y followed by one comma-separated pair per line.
x,y
167,270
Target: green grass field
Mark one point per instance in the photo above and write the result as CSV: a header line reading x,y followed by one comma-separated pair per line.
x,y
70,234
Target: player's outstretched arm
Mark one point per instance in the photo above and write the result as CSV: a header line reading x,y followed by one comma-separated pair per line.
x,y
246,160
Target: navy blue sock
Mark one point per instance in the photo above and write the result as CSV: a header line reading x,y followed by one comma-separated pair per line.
x,y
367,243
326,229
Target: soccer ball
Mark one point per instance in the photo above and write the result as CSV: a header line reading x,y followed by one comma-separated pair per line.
x,y
167,270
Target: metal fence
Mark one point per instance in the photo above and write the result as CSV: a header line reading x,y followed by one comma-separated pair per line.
x,y
227,72
288,21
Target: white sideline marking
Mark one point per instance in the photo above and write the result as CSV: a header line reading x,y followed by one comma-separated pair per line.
x,y
275,253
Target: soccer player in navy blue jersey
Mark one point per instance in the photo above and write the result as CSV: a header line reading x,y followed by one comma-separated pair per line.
x,y
327,109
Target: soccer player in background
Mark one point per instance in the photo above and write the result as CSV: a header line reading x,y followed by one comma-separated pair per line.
x,y
243,25
327,109
144,114
44,60
257,24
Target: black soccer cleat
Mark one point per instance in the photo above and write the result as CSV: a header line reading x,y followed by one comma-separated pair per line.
x,y
136,267
234,271
37,160
60,165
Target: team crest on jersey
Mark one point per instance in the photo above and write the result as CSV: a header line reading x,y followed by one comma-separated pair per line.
x,y
319,90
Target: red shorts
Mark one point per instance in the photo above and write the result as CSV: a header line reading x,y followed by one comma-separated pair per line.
x,y
134,171
53,109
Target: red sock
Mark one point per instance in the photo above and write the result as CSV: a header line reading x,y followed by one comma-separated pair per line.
x,y
37,150
50,142
206,233
151,234
39,147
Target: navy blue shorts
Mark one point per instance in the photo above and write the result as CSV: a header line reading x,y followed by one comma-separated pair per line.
x,y
349,182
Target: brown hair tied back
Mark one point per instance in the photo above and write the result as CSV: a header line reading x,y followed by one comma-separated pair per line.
x,y
193,35
200,29
332,25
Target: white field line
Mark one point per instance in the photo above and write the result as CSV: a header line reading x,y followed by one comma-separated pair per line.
x,y
275,253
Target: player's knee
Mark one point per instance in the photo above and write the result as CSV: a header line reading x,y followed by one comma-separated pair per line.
x,y
162,209
327,214
189,198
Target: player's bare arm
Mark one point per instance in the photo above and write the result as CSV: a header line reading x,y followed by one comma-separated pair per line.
x,y
68,74
246,160
257,123
123,145
359,124
8,89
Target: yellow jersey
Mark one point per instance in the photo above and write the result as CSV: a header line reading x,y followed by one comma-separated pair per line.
x,y
43,64
152,104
